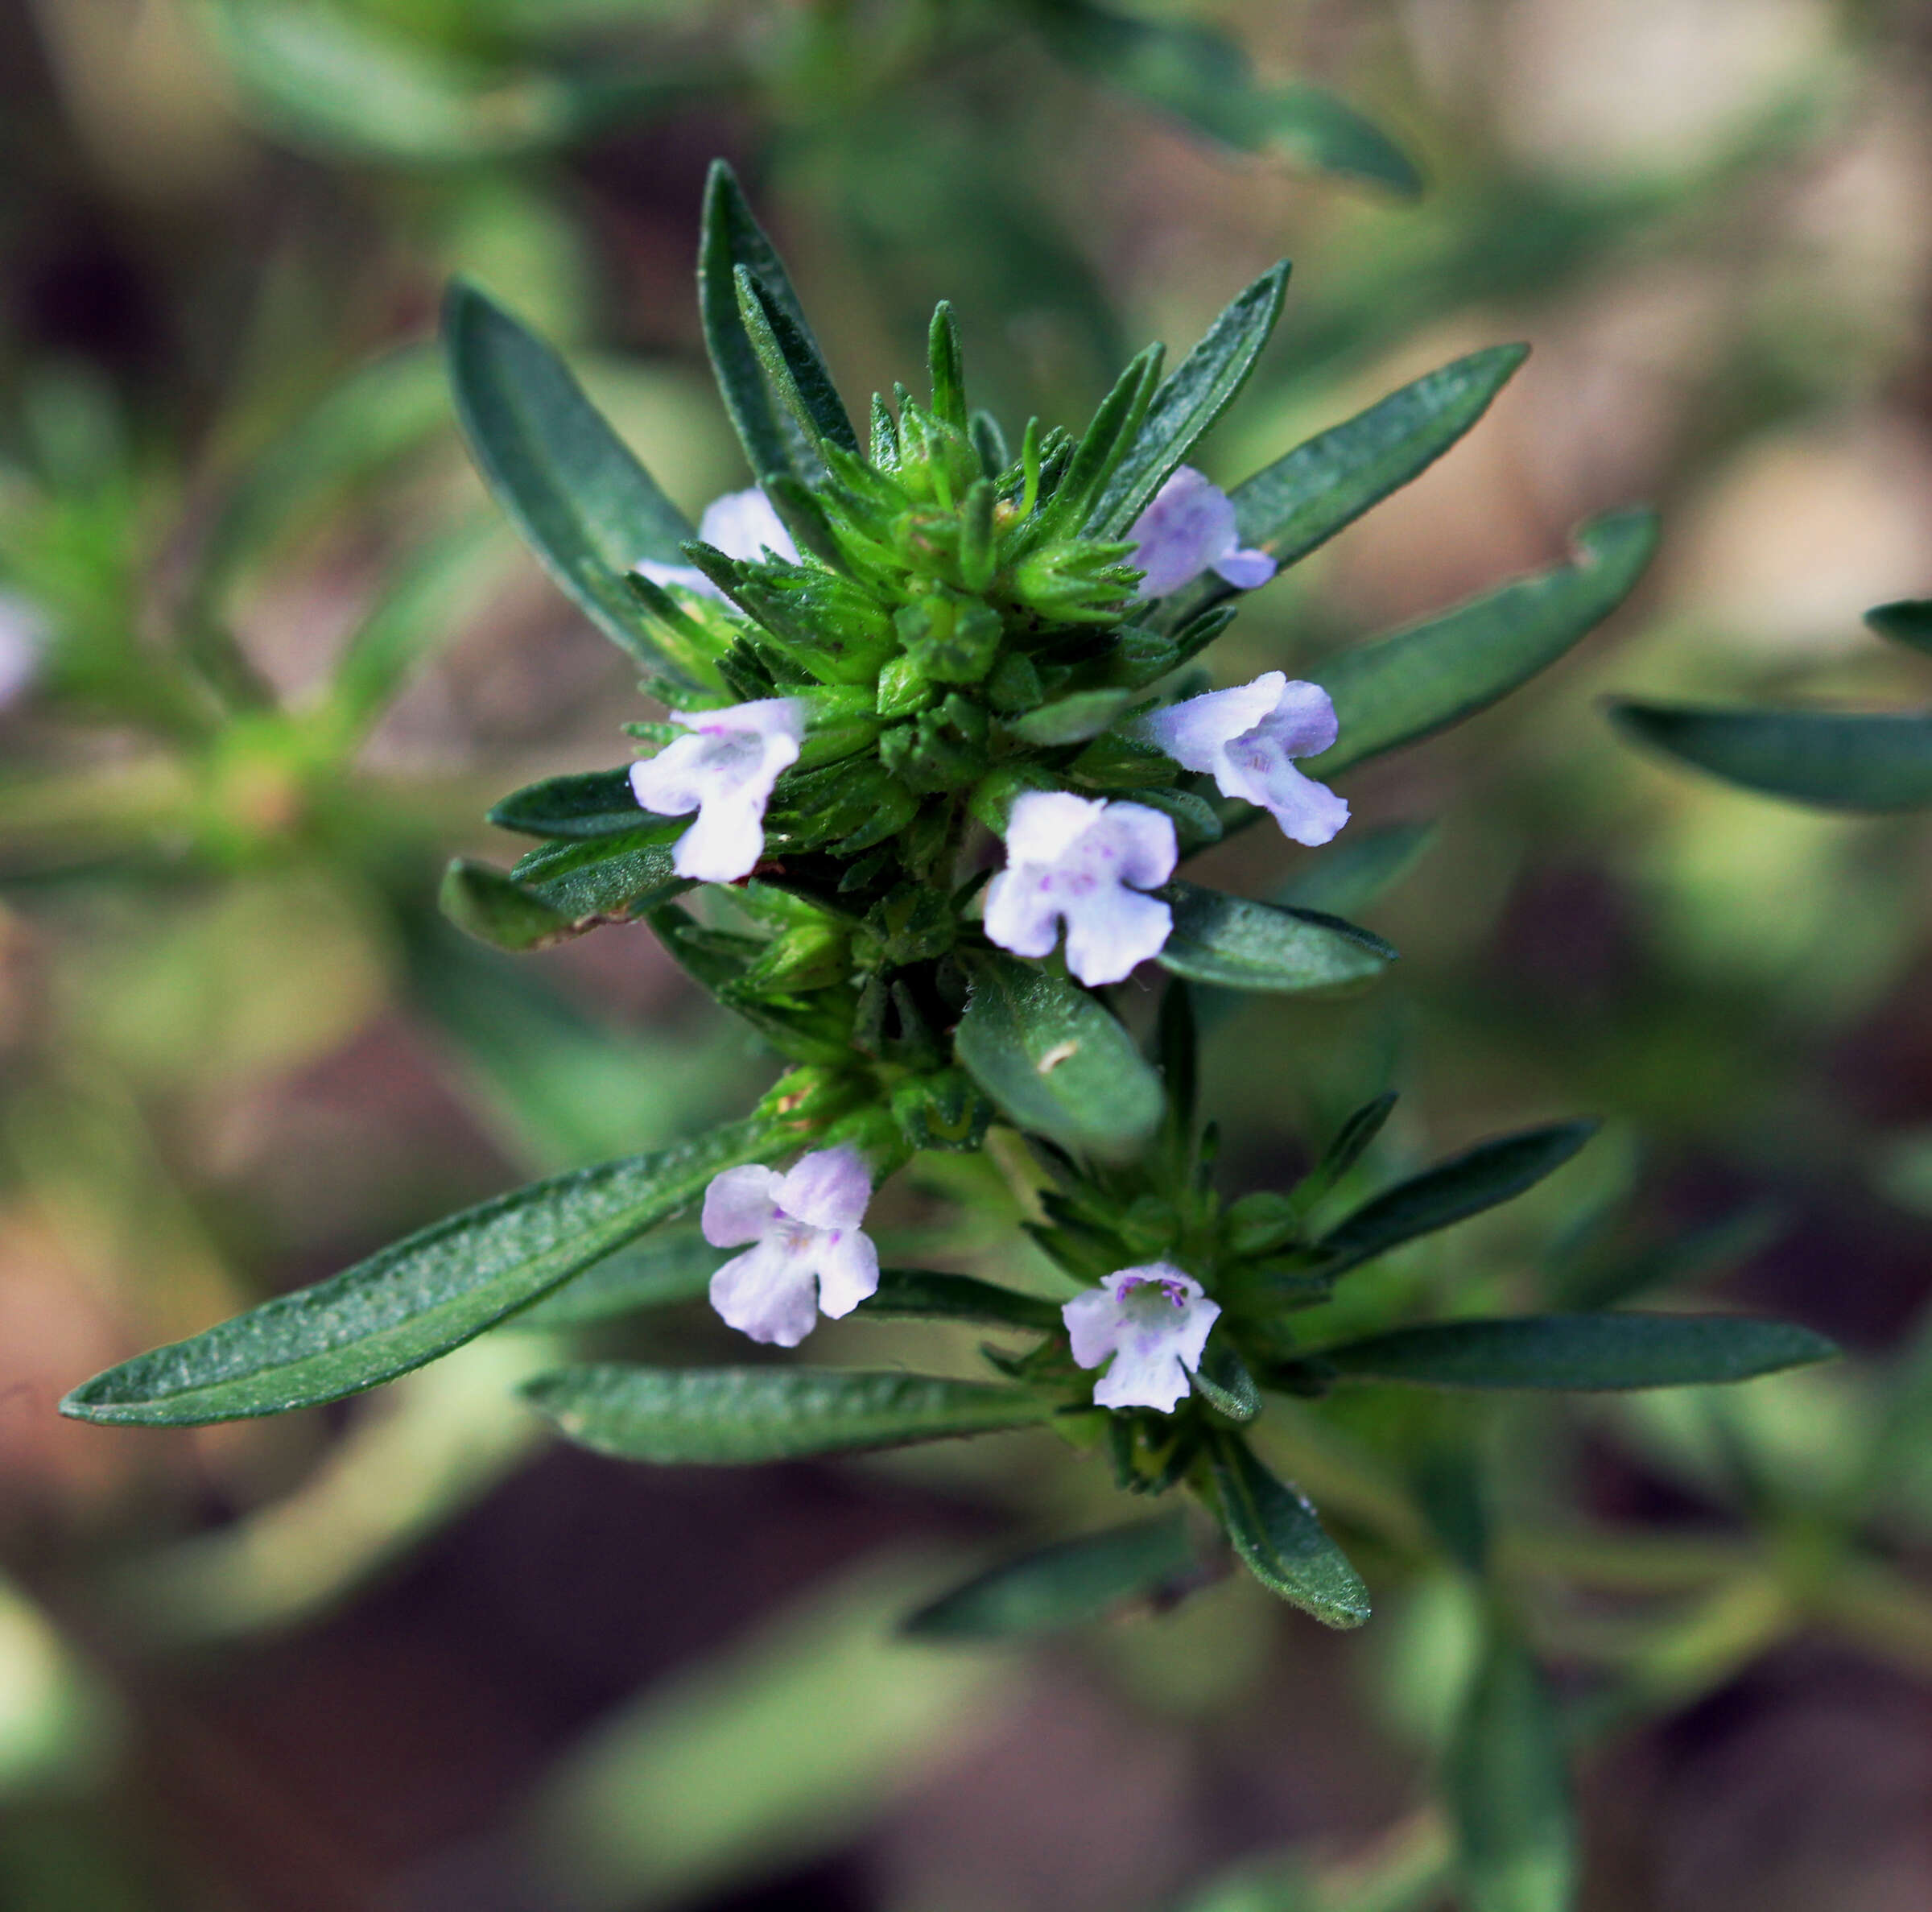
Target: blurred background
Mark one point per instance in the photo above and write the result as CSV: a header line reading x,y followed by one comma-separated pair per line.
x,y
266,654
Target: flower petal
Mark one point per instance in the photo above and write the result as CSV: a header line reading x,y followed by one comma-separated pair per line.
x,y
740,1205
828,1188
767,1293
726,841
1195,733
1021,913
1246,569
743,525
1093,1325
1112,930
1044,825
848,1270
1189,524
686,577
1303,722
673,781
1143,1377
1145,842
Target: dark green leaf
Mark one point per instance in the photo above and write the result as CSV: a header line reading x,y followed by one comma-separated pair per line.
x,y
731,237
1205,81
1580,1352
1185,409
1350,875
1057,1587
586,506
1072,720
607,879
1224,1382
497,909
1491,1173
1054,1061
1400,688
1507,1778
1908,622
922,1294
658,1272
731,1417
589,803
1278,1536
1836,760
1350,1142
1607,1281
795,372
1239,944
428,1293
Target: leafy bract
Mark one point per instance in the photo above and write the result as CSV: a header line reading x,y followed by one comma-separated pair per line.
x,y
1400,688
586,803
728,1417
1185,409
1492,1172
1835,760
1053,1059
426,1294
586,506
1206,82
1280,1540
926,1294
1065,1585
1241,944
1580,1352
1508,1788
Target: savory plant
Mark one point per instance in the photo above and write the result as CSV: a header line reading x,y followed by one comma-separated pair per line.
x,y
937,741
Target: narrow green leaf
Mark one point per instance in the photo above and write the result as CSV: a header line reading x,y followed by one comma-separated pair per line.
x,y
1112,431
794,374
1186,408
1483,1177
1054,1061
925,1295
949,368
1280,1540
1072,720
1054,1589
658,1272
1400,688
1304,498
731,237
586,803
1507,1778
497,909
1908,623
1224,1382
607,879
428,1293
1241,944
1607,1281
583,503
1350,1144
1205,81
1580,1352
1350,875
734,1417
1835,760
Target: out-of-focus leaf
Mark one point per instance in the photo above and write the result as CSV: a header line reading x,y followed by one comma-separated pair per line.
x,y
732,1417
587,803
1605,1282
1835,760
1205,81
1185,409
497,909
1350,875
1350,1143
925,1295
1280,1540
1054,1061
1508,1782
1241,944
1584,1353
1066,1585
775,442
569,484
424,1295
1491,1173
1405,1871
657,1273
1908,623
1400,688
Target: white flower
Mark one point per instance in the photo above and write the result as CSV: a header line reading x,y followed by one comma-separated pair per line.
x,y
724,770
1244,738
742,524
1084,861
22,637
1190,528
809,1254
1154,1322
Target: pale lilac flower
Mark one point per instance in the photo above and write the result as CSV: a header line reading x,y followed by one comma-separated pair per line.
x,y
1084,861
724,770
1244,738
23,637
742,524
1153,1321
808,1255
1190,528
